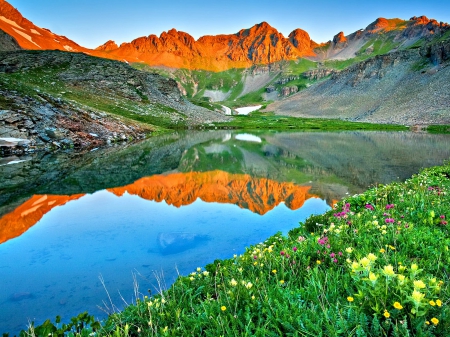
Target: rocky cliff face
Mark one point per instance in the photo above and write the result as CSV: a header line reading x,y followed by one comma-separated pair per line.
x,y
405,87
7,42
260,44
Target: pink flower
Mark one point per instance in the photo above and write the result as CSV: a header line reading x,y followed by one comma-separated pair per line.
x,y
340,253
335,261
369,206
301,239
442,216
255,257
332,255
389,220
294,249
282,252
389,206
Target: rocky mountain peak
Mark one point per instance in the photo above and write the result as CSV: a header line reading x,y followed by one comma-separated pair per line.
x,y
301,40
108,46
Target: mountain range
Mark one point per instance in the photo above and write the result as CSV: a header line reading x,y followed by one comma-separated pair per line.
x,y
258,45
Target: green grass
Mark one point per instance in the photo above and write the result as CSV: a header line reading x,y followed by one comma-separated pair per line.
x,y
376,265
439,129
260,120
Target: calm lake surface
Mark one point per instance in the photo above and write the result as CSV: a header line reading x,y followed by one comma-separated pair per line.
x,y
94,231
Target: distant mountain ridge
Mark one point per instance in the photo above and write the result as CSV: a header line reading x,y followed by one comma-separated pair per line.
x,y
260,44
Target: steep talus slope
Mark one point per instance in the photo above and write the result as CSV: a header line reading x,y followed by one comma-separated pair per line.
x,y
50,96
409,86
7,42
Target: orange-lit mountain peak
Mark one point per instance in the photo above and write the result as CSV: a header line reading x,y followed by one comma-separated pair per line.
x,y
259,195
29,213
108,46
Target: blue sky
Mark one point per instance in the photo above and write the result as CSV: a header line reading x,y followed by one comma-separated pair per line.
x,y
90,23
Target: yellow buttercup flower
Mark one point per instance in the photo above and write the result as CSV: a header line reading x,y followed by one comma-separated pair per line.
x,y
318,262
414,267
398,306
249,285
274,271
439,303
350,299
432,303
435,321
233,282
281,281
223,308
382,250
386,314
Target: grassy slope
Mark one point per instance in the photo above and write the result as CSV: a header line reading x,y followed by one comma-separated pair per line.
x,y
377,265
45,80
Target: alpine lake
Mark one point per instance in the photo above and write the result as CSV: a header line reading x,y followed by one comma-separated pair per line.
x,y
94,231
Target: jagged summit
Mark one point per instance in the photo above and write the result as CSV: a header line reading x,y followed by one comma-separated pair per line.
x,y
259,44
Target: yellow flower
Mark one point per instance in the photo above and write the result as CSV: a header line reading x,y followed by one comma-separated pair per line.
x,y
371,257
274,271
235,256
349,250
398,306
249,285
365,262
233,282
281,281
419,284
165,329
199,269
391,247
372,277
318,262
382,250
401,269
206,273
386,314
439,303
223,308
401,278
432,303
414,267
427,322
389,271
350,299
191,278
253,297
435,321
355,265
417,296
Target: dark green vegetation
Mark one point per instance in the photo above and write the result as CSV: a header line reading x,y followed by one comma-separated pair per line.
x,y
376,265
260,120
438,129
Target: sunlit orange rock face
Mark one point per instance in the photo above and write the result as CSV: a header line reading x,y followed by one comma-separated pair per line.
x,y
29,213
259,195
261,44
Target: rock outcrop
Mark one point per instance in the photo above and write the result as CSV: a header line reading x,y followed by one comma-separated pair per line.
x,y
7,42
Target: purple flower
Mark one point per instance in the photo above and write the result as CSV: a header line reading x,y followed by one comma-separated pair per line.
x,y
282,252
340,253
255,257
389,220
294,249
332,255
442,216
389,206
369,206
328,246
335,260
